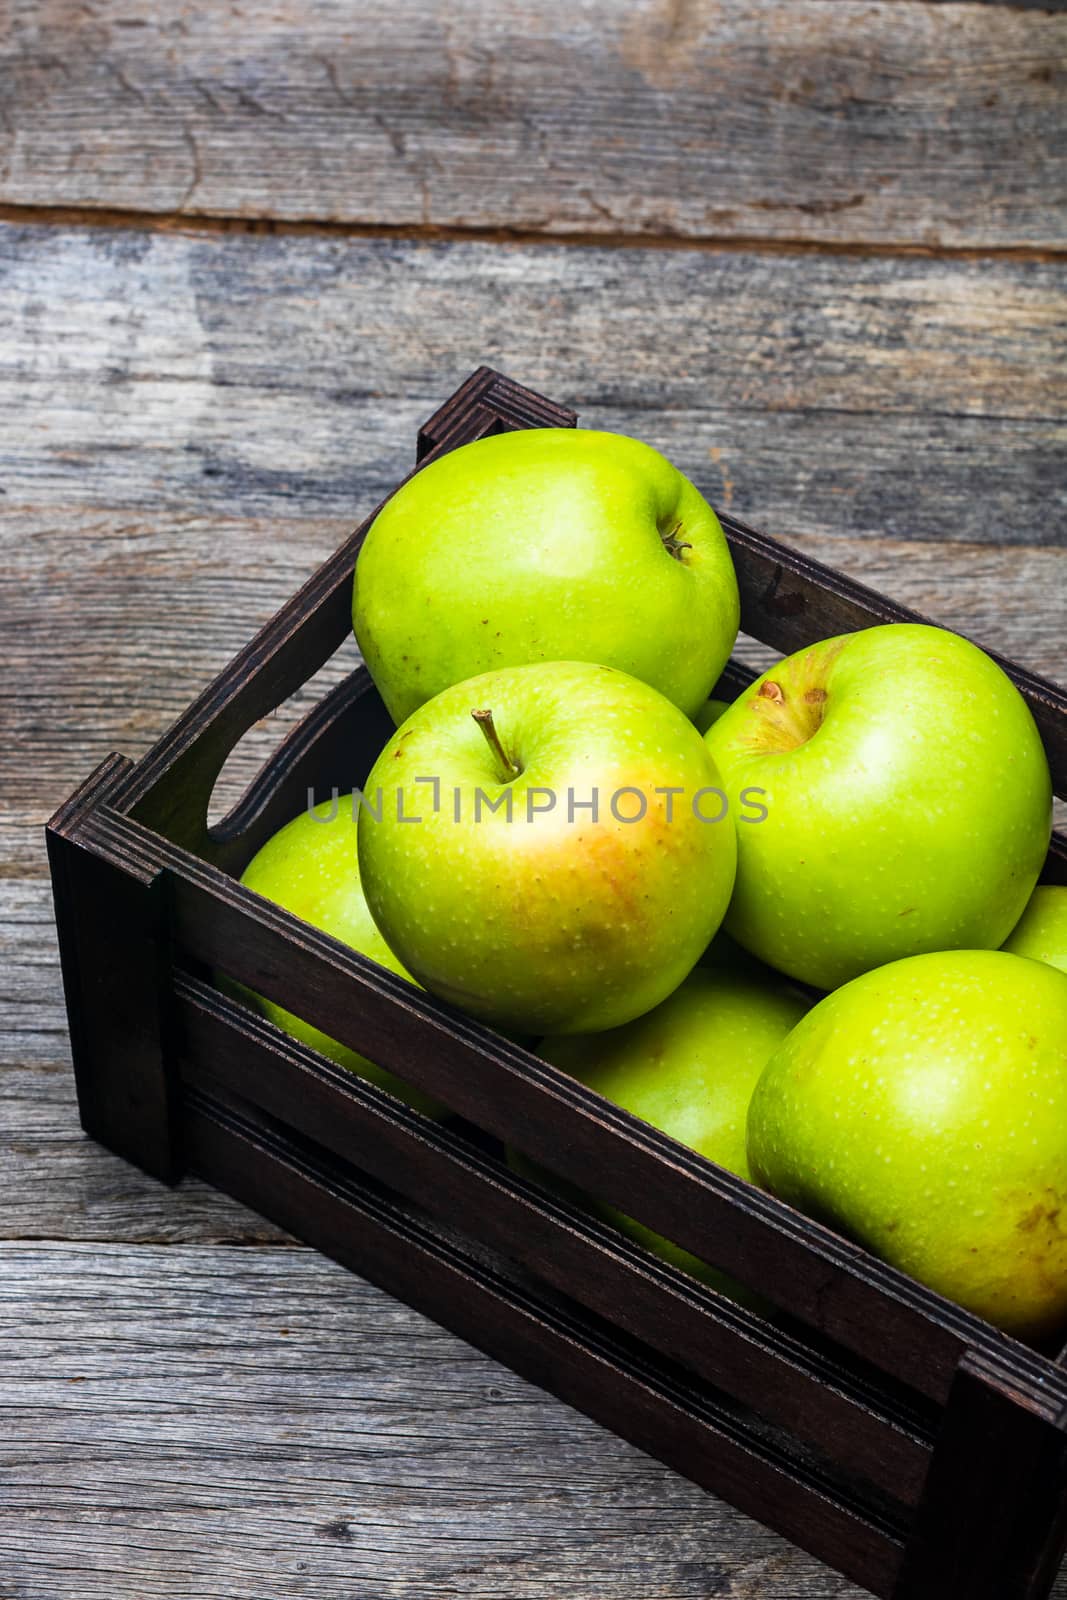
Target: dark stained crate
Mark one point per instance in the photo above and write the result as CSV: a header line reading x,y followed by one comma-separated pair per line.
x,y
899,1438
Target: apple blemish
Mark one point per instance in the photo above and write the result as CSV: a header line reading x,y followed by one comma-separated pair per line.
x,y
788,720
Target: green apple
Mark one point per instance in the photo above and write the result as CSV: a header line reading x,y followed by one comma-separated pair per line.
x,y
310,867
1041,931
545,544
689,1068
509,896
922,1110
908,803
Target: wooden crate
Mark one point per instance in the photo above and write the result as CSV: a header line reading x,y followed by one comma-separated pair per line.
x,y
897,1437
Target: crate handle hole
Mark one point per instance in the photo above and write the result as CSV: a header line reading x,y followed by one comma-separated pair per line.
x,y
243,783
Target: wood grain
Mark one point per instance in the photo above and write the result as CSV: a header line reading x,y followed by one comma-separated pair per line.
x,y
225,373
260,1422
885,121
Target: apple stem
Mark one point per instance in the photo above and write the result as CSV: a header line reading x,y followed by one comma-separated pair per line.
x,y
672,544
484,719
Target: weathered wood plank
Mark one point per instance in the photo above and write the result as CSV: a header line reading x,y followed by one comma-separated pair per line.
x,y
33,1031
59,1185
242,1422
873,120
253,375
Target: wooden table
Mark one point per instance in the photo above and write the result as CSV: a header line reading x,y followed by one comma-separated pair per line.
x,y
814,252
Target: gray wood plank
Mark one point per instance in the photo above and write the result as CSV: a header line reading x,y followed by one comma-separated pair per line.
x,y
886,121
248,1422
238,1423
33,1028
253,375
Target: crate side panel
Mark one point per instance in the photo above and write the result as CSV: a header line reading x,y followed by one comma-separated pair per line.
x,y
827,1282
809,1271
992,1524
852,1420
112,918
